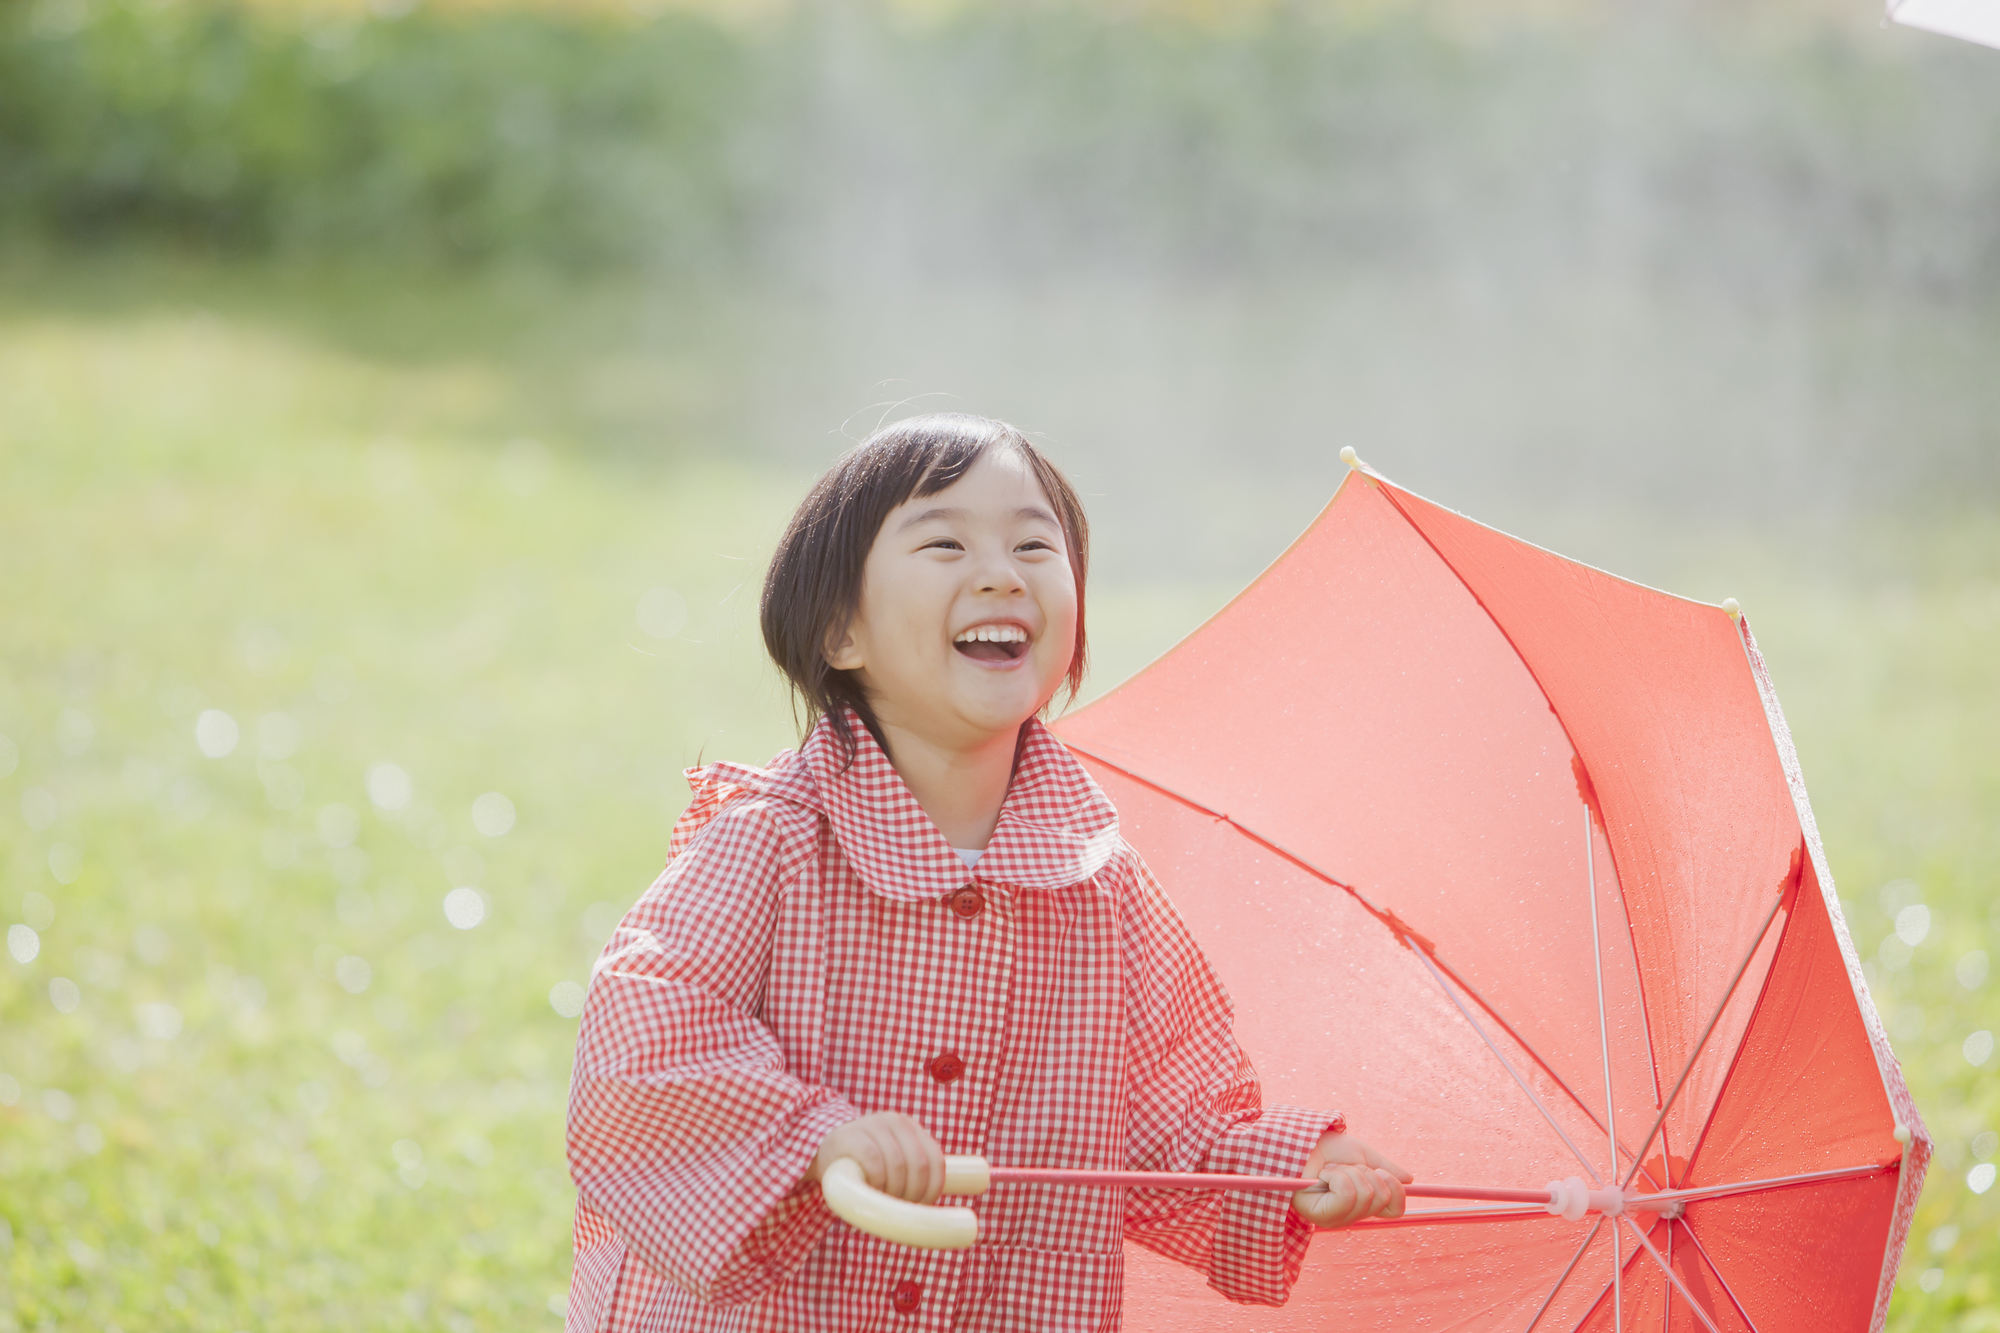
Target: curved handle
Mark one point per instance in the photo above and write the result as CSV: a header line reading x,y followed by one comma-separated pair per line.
x,y
917,1225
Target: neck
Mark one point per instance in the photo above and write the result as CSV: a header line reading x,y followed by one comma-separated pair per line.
x,y
961,787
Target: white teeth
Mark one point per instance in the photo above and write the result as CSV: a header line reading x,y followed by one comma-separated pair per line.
x,y
993,634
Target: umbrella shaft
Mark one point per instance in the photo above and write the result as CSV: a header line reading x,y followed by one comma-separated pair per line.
x,y
1202,1180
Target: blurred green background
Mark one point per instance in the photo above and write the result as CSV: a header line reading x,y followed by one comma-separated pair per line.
x,y
397,405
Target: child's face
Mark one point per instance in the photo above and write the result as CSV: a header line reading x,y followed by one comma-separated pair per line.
x,y
967,619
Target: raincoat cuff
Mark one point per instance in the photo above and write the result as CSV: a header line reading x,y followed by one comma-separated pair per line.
x,y
1260,1243
795,1221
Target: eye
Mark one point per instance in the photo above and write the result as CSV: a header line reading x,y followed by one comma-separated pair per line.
x,y
941,544
1036,544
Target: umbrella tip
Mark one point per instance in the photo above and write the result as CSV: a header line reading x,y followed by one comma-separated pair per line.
x,y
1733,607
1348,456
1903,1135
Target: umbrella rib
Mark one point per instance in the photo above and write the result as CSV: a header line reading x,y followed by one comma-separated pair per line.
x,y
1722,1281
1597,958
1563,1277
1506,1064
1604,1053
1694,1055
1700,1192
1674,1278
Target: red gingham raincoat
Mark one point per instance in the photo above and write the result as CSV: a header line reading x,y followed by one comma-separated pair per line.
x,y
815,950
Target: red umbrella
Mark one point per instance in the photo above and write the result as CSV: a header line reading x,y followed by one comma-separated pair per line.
x,y
1511,861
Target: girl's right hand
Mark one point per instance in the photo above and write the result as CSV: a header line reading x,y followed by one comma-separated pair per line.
x,y
897,1154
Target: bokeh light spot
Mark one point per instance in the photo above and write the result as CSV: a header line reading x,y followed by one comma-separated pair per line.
x,y
353,973
159,1020
215,733
74,731
351,1047
1978,1048
1896,895
493,814
37,910
65,862
284,788
152,944
277,736
24,943
338,825
1913,923
64,995
39,808
465,907
1980,1178
1971,969
264,651
662,613
566,998
389,787
1894,953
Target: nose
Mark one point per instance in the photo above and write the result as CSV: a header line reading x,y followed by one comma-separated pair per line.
x,y
998,575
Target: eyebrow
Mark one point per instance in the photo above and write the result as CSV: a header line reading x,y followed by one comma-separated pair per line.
x,y
1028,511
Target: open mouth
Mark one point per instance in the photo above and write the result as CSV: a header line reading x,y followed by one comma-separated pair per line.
x,y
992,643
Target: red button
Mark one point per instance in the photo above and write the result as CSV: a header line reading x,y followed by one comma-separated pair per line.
x,y
968,902
946,1068
906,1297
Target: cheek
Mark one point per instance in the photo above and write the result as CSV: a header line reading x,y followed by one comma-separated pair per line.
x,y
1059,605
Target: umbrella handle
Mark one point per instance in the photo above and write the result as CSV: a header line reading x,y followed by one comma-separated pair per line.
x,y
854,1201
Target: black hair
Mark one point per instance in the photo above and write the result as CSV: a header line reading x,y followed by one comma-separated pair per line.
x,y
813,587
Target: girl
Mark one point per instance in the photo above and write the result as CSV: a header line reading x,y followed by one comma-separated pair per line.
x,y
921,933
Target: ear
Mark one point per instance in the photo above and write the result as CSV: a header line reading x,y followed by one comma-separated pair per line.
x,y
842,654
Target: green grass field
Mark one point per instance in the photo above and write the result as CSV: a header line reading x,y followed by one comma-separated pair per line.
x,y
377,562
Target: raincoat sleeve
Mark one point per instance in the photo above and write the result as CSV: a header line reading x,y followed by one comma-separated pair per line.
x,y
686,1132
1195,1106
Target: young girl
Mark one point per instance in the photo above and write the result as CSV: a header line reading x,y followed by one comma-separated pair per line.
x,y
921,933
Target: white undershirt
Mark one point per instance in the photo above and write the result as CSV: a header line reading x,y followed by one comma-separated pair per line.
x,y
970,855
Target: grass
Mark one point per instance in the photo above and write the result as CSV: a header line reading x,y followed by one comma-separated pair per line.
x,y
310,507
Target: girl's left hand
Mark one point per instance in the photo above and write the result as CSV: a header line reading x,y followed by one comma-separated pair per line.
x,y
1360,1182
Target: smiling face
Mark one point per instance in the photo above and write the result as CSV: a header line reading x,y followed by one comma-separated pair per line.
x,y
967,618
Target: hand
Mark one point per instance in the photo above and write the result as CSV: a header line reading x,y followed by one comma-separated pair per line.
x,y
1360,1182
897,1155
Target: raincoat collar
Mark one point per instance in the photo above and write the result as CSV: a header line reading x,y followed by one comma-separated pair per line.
x,y
1056,826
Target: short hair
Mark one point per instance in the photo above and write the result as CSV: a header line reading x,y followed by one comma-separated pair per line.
x,y
813,587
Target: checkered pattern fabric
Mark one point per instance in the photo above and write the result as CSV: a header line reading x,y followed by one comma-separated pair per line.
x,y
807,956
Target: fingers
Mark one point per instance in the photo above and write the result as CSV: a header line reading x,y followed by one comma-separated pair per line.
x,y
1393,1180
1352,1193
897,1155
915,1162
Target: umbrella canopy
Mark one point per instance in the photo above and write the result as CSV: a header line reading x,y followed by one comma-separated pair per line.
x,y
1509,860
